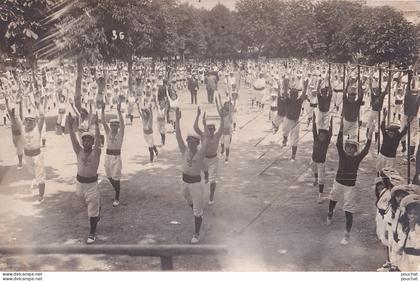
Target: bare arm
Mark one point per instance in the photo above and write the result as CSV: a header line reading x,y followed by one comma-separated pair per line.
x,y
179,138
97,146
196,127
120,117
73,138
104,123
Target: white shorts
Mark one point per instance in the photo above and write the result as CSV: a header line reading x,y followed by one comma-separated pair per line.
x,y
161,126
90,196
323,120
226,140
211,166
413,129
381,228
113,166
18,142
349,192
319,168
350,129
193,193
372,121
149,139
61,120
35,165
291,127
278,120
383,161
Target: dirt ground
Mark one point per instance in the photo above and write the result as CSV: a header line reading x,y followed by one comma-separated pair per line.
x,y
269,222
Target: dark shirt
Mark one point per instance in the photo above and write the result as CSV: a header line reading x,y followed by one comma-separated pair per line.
x,y
281,106
351,109
389,146
162,93
376,101
348,165
324,102
319,152
411,104
293,108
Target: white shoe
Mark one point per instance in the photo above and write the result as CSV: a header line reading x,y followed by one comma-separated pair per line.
x,y
329,221
320,199
116,203
38,201
195,239
346,239
19,167
91,239
211,202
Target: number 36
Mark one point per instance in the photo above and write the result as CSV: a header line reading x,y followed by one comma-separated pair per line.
x,y
115,35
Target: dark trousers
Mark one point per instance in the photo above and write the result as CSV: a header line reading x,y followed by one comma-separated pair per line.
x,y
210,95
193,97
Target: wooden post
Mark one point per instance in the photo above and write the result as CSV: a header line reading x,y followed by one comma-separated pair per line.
x,y
166,263
410,77
389,93
379,111
358,88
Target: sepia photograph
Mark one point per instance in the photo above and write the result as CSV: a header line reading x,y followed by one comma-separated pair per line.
x,y
209,136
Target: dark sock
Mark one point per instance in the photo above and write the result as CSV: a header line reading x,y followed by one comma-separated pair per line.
x,y
41,189
155,150
412,149
206,175
131,118
63,129
197,224
227,153
163,137
376,137
284,140
294,150
321,188
331,208
349,221
117,188
4,120
212,190
151,153
20,159
316,177
223,148
93,224
44,142
403,144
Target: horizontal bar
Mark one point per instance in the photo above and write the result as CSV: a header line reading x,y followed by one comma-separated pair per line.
x,y
131,250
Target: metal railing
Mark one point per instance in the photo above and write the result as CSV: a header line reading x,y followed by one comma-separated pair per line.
x,y
165,252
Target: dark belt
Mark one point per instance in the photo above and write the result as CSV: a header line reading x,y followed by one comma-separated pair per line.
x,y
113,151
398,102
382,212
273,108
16,132
314,105
32,152
190,179
412,251
87,180
211,156
338,91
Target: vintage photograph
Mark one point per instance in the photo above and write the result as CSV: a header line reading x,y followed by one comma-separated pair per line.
x,y
209,136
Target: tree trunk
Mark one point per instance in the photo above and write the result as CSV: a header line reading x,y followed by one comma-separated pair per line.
x,y
78,90
32,62
130,75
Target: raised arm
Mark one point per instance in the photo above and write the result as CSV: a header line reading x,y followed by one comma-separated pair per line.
x,y
178,135
73,138
104,123
340,139
97,146
314,129
121,118
196,127
42,115
365,150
